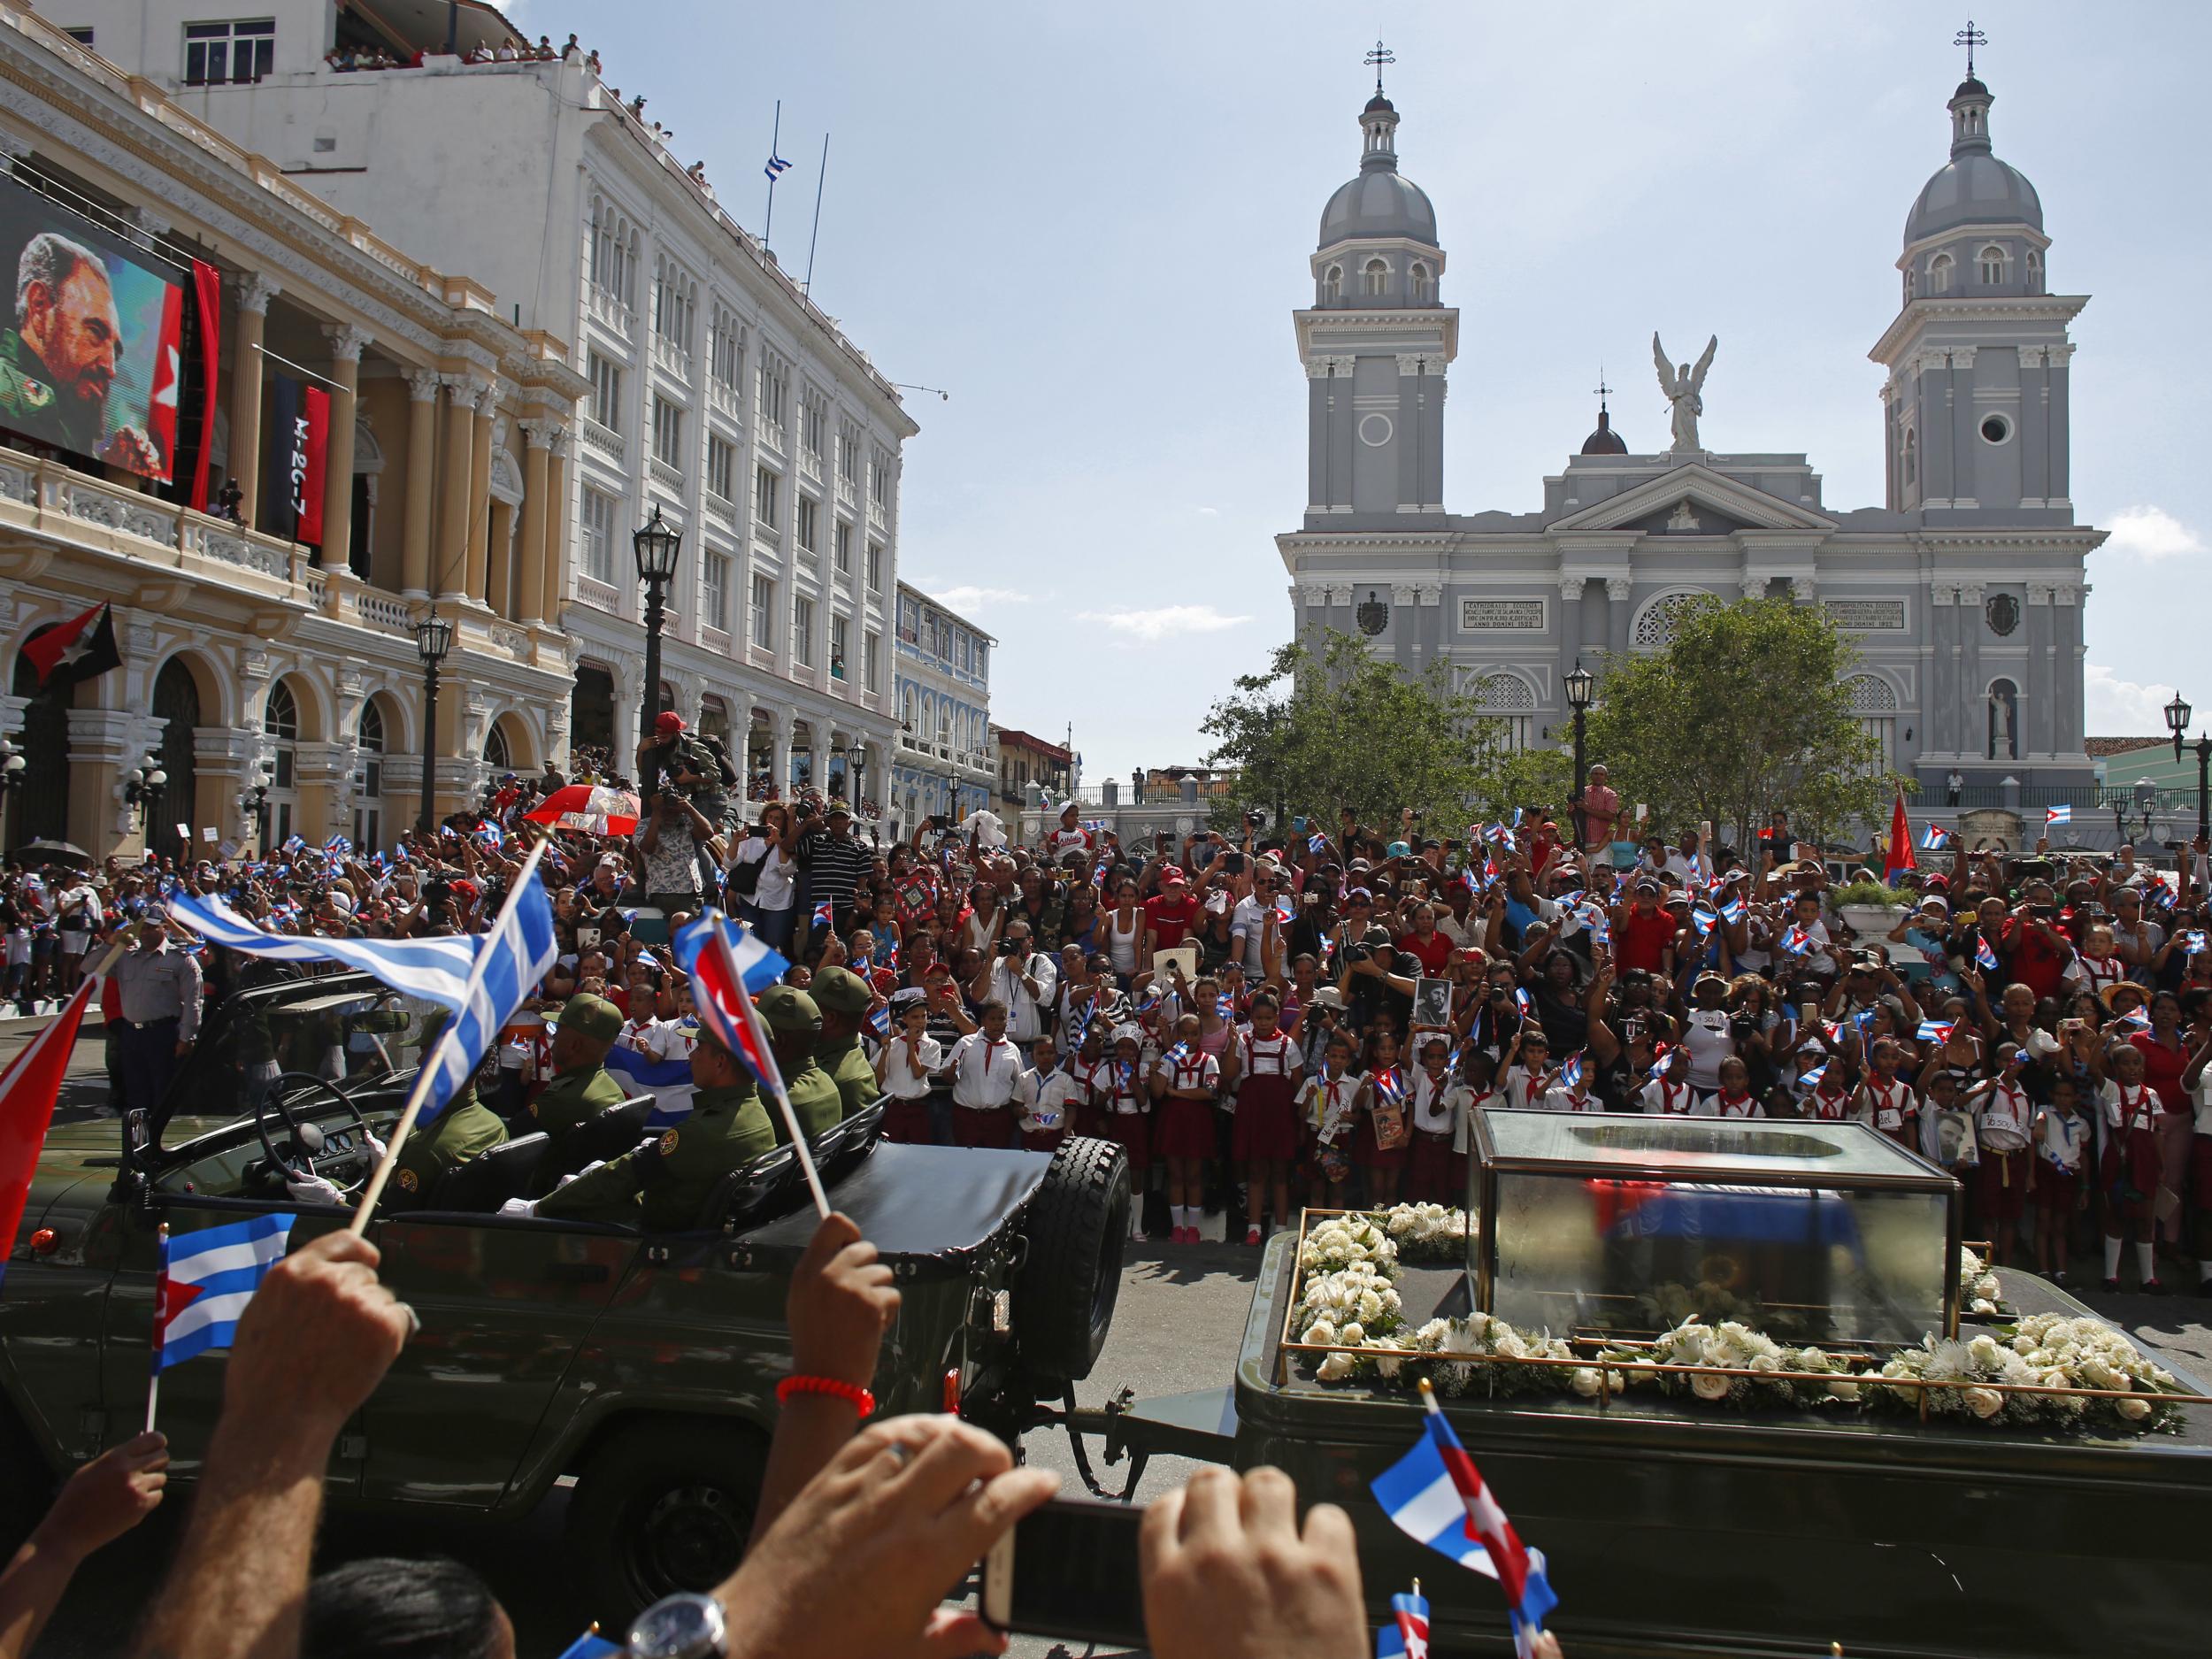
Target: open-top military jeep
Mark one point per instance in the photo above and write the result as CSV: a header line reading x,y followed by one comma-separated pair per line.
x,y
642,1364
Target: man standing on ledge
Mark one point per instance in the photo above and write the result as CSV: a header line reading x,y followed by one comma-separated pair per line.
x,y
159,993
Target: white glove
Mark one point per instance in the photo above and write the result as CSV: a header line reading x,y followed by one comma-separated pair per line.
x,y
596,1163
376,1147
312,1189
520,1207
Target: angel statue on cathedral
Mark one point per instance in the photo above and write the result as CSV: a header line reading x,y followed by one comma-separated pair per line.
x,y
1683,388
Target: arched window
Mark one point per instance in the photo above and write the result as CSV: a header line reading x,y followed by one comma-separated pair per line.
x,y
281,724
368,779
1509,712
2035,271
1423,285
1993,262
1912,458
1375,280
1940,274
495,752
1332,283
1874,705
1655,626
177,705
2004,720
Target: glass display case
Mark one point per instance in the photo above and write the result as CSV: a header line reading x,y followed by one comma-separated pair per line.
x,y
1605,1224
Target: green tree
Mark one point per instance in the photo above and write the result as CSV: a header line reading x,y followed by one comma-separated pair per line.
x,y
1743,715
1330,726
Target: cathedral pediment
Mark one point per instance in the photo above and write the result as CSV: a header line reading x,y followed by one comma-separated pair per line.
x,y
1693,500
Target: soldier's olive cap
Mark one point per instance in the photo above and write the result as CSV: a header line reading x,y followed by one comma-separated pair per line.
x,y
596,1016
786,1008
840,989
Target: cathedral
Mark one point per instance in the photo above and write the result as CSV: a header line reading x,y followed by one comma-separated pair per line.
x,y
1963,590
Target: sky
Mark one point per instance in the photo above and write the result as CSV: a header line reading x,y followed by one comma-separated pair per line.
x,y
1089,228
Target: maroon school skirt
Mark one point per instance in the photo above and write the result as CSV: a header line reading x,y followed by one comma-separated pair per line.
x,y
1042,1139
1186,1129
2004,1184
2056,1191
907,1121
1093,1122
982,1126
1132,1133
1435,1174
1267,1128
2135,1154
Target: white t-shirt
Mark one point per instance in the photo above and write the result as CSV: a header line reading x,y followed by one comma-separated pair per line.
x,y
1567,1100
1671,1100
774,892
899,1081
1046,1102
1887,1107
1705,1034
1327,1103
1439,1106
2062,1137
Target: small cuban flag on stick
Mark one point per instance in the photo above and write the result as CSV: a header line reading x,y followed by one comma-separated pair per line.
x,y
202,1285
2057,814
1435,1495
1985,957
2193,942
1935,1030
1935,838
1407,1635
824,916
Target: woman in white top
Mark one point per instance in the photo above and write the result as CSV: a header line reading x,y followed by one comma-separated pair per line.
x,y
768,907
1123,928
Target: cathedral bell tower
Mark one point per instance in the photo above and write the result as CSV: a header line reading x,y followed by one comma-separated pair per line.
x,y
1376,343
1975,408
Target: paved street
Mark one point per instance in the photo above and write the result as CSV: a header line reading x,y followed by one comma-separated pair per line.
x,y
1177,1327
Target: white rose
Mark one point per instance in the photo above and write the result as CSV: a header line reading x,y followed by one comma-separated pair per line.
x,y
2097,1374
1705,1385
1985,1353
1586,1382
1337,1367
1986,1285
1765,1362
1389,1367
2023,1344
1982,1305
2135,1407
1321,1333
1844,1390
1812,1359
1616,1381
1512,1346
1351,1335
1983,1402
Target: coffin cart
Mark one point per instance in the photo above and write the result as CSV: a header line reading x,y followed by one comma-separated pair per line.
x,y
1674,1524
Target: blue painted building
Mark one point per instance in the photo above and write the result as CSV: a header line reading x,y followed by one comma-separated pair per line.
x,y
940,687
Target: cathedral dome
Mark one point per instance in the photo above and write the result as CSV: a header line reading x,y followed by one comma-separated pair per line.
x,y
1604,441
1973,188
1380,202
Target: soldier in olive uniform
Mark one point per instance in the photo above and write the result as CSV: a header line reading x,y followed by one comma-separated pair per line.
x,y
844,996
581,1088
463,1129
795,1025
665,1182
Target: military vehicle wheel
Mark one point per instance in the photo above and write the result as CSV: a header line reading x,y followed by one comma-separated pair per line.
x,y
661,1507
1076,1227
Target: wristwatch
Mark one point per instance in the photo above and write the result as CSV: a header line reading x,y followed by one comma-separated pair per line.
x,y
681,1626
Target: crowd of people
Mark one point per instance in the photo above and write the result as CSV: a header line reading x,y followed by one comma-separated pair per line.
x,y
1263,1020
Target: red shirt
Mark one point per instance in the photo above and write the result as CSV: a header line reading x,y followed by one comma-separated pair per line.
x,y
1172,918
2032,959
1541,846
1434,954
1641,941
2162,1070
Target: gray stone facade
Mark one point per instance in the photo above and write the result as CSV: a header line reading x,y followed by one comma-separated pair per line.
x,y
1964,590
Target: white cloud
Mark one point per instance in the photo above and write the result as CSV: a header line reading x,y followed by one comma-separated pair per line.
x,y
1209,513
2152,533
974,598
1165,623
2113,707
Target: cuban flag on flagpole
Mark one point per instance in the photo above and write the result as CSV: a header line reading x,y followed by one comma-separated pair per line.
x,y
1407,1635
204,1281
2057,814
1434,1493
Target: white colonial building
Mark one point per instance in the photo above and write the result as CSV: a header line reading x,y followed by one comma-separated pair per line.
x,y
1965,588
720,395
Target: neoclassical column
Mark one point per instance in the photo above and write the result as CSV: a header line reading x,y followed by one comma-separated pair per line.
x,y
2068,597
1618,590
452,573
254,292
479,495
2061,395
500,560
2043,672
346,341
530,597
422,463
1973,701
556,537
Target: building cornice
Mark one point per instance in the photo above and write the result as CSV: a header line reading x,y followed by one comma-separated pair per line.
x,y
1930,311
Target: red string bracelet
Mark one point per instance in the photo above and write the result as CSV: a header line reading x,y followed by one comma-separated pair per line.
x,y
860,1399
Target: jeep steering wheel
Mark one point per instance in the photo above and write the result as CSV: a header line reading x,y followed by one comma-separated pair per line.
x,y
298,1133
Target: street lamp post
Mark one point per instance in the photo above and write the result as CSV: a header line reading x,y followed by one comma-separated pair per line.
x,y
433,638
2177,713
1581,688
253,800
142,787
656,546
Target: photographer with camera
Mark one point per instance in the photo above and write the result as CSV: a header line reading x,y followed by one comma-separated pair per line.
x,y
669,840
1022,978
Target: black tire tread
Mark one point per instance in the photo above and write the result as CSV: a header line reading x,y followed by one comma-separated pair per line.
x,y
1077,1228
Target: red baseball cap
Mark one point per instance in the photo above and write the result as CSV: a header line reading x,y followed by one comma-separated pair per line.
x,y
1172,878
668,720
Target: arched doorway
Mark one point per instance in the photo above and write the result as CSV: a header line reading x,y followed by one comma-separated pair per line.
x,y
591,720
368,779
40,809
496,754
281,724
177,705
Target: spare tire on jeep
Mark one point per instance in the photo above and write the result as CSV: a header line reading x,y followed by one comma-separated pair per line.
x,y
1076,1229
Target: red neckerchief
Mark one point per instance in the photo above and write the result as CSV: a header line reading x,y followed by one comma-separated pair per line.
x,y
1729,1103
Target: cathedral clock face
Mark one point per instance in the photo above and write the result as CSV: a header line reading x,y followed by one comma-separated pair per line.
x,y
1374,616
2003,612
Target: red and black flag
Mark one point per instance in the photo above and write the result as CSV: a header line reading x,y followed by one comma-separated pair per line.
x,y
82,648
